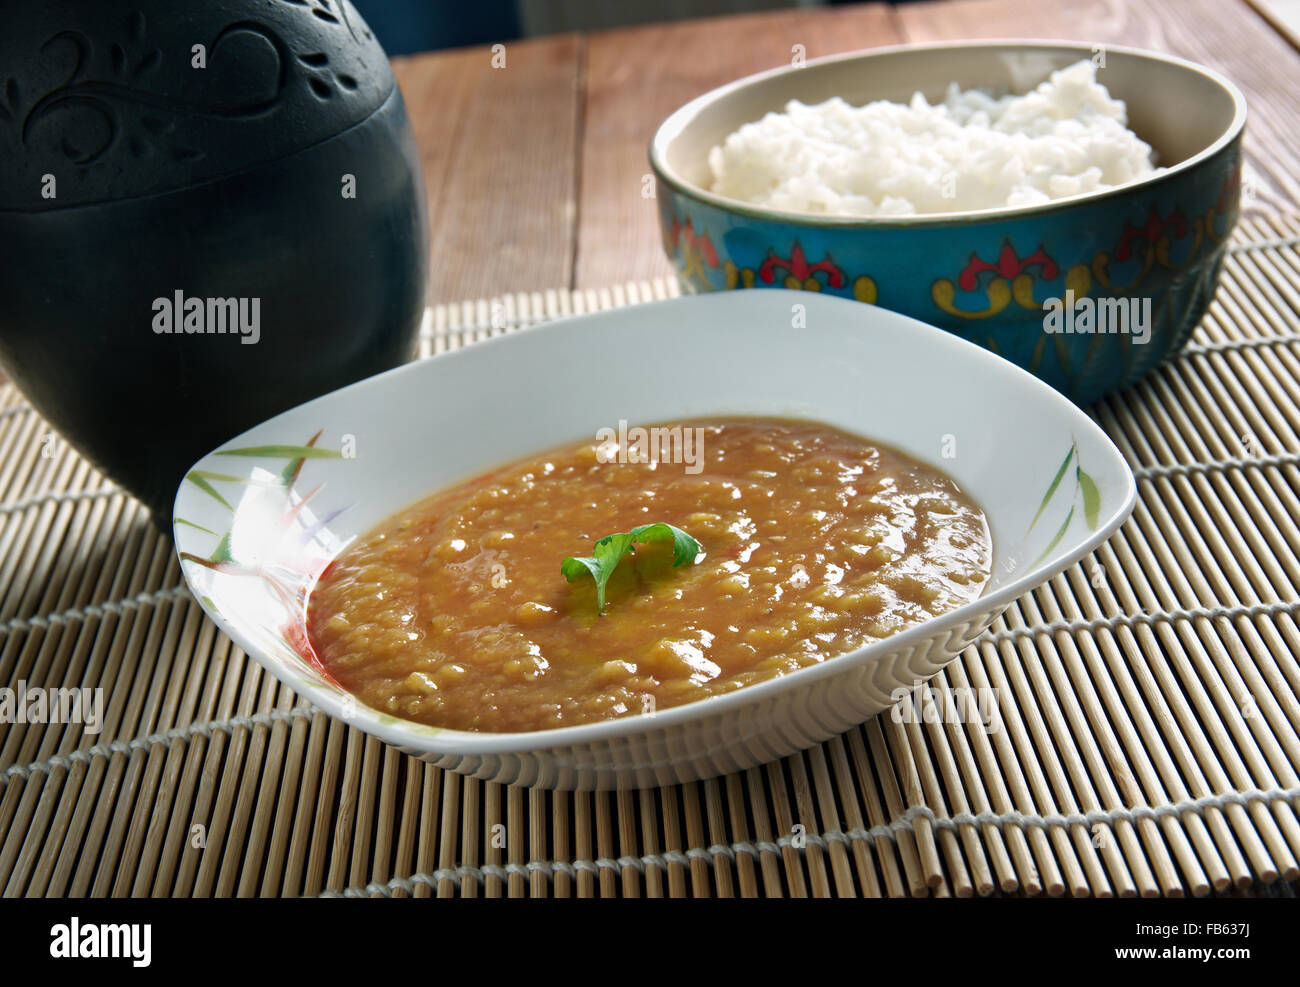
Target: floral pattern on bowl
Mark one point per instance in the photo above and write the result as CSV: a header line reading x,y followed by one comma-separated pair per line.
x,y
984,275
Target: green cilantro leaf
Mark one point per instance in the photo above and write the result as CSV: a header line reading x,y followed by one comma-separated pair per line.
x,y
610,551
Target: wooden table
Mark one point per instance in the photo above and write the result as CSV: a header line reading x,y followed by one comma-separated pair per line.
x,y
535,170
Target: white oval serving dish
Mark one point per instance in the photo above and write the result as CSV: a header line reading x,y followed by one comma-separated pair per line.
x,y
259,518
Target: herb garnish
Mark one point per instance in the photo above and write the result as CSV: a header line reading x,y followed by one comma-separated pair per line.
x,y
611,549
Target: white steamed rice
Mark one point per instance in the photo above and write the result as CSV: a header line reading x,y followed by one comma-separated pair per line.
x,y
972,151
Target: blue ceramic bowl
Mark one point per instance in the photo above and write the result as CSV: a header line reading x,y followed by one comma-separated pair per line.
x,y
986,275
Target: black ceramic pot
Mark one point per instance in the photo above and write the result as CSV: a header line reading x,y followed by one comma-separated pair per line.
x,y
171,169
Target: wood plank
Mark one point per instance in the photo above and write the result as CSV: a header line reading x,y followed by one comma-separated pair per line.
x,y
635,77
499,147
1282,15
1227,35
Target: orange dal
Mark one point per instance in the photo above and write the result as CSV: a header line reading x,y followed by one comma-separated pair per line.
x,y
814,543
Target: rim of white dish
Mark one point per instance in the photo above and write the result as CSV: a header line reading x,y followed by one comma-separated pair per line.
x,y
446,741
681,118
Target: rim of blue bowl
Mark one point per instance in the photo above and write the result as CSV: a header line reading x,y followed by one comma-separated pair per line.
x,y
681,117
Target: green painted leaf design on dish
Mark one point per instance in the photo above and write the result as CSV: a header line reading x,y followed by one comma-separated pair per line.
x,y
294,455
1091,498
282,452
288,578
293,469
1056,538
1085,489
1056,482
222,552
200,479
191,524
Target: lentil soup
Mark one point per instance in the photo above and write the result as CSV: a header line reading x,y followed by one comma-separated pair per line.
x,y
814,542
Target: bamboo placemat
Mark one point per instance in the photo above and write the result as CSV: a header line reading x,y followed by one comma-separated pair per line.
x,y
1149,710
